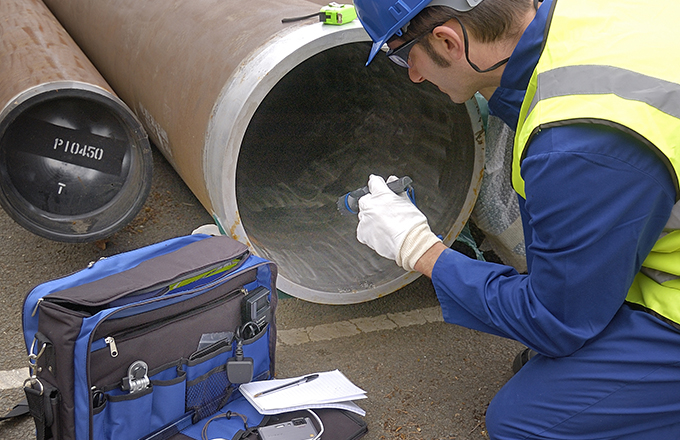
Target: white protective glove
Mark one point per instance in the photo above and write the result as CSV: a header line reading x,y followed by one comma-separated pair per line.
x,y
392,226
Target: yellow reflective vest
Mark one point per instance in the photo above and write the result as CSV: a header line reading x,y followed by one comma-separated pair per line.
x,y
615,63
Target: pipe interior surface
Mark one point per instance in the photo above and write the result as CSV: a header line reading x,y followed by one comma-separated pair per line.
x,y
318,134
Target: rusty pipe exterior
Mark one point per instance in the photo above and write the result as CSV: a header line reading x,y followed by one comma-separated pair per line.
x,y
75,162
171,60
268,123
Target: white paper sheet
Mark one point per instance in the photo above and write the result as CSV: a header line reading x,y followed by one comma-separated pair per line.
x,y
330,390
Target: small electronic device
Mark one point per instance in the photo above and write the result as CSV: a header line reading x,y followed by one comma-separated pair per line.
x,y
349,203
256,307
300,428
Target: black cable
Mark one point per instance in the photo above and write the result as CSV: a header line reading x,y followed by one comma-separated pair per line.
x,y
467,52
247,331
238,352
227,415
321,15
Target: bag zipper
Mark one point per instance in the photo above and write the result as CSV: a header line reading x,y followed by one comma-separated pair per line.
x,y
150,326
37,304
112,346
122,308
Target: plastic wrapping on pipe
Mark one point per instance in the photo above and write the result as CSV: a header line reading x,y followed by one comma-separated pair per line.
x,y
496,212
75,163
269,123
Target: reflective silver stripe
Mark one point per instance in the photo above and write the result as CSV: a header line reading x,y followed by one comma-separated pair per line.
x,y
658,276
598,80
674,221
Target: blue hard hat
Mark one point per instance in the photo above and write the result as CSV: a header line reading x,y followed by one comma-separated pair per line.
x,y
384,18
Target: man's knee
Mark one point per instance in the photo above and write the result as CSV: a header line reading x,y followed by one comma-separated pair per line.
x,y
498,415
513,413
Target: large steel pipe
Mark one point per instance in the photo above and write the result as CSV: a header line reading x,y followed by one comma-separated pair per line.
x,y
269,123
75,162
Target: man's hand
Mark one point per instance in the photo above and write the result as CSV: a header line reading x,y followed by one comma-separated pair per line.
x,y
392,226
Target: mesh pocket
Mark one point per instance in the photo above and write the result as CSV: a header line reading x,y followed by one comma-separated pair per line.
x,y
208,393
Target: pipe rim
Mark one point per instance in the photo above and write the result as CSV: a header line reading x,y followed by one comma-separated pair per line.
x,y
239,101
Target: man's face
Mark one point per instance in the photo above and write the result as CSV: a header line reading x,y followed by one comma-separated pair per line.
x,y
429,64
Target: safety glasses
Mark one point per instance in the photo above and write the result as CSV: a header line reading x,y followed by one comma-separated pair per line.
x,y
399,56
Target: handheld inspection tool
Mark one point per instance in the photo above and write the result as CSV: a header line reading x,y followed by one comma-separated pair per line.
x,y
349,203
333,13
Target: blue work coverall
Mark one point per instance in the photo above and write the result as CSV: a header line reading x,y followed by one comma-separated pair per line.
x,y
597,200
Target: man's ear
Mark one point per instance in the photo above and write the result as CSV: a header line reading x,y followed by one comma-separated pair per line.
x,y
448,40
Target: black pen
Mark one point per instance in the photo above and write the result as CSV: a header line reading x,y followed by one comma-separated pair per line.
x,y
305,379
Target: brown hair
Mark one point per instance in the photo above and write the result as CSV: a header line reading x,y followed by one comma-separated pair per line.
x,y
489,21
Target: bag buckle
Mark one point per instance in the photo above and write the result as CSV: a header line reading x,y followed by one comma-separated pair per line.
x,y
137,379
33,366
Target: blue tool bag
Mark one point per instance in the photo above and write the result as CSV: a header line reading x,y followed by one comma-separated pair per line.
x,y
152,343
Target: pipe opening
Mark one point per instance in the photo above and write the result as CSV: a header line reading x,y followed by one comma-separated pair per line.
x,y
74,165
320,132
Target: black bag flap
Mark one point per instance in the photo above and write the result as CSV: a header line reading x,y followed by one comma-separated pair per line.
x,y
157,271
